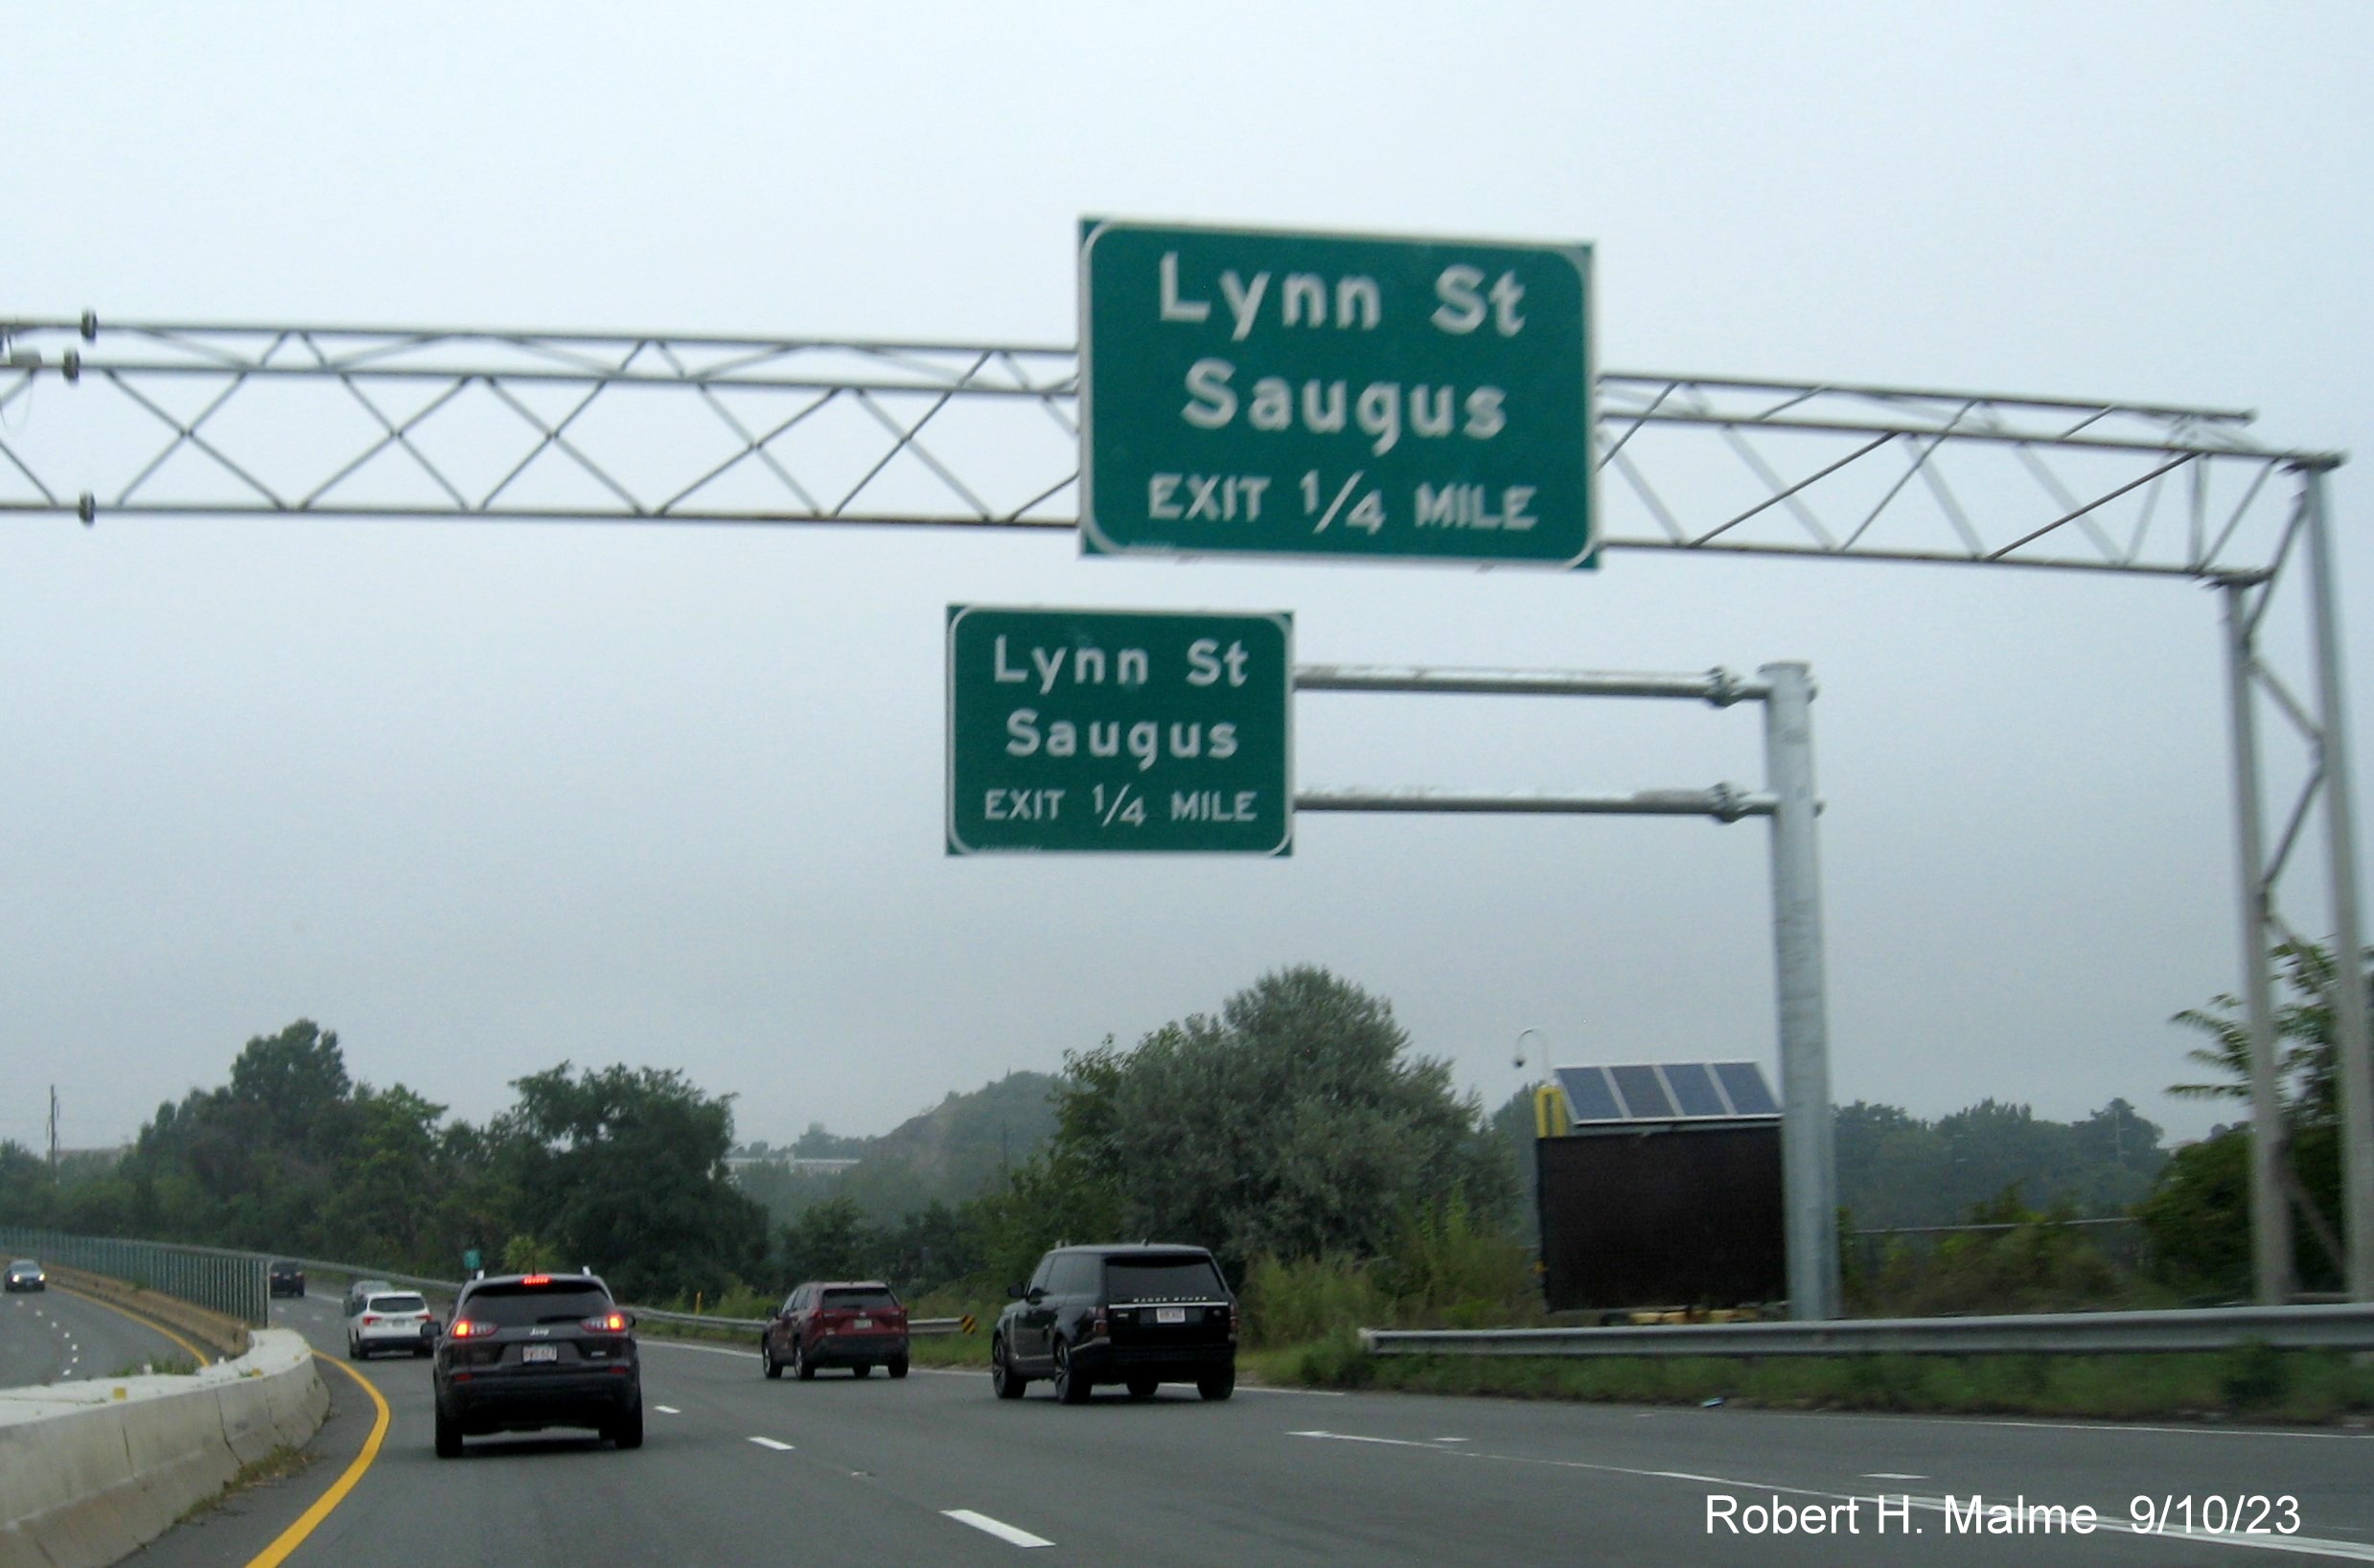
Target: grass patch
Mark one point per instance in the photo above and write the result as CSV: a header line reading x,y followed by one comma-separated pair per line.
x,y
2255,1383
282,1462
163,1366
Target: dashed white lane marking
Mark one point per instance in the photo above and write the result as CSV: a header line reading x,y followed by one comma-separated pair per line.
x,y
1891,1475
996,1527
667,1410
2298,1545
1451,1440
769,1442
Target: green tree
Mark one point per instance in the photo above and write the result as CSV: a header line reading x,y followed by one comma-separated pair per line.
x,y
1297,1123
27,1195
625,1168
2198,1218
829,1241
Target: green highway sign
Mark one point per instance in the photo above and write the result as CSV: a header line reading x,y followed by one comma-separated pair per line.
x,y
1337,396
1147,730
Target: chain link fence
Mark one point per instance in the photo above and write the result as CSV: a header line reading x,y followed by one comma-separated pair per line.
x,y
233,1283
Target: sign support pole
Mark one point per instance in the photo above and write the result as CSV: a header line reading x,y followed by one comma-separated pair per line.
x,y
1808,1178
2350,1032
2271,1214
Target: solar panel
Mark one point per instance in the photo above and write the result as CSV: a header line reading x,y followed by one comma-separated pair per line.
x,y
1694,1089
1644,1098
1587,1094
1665,1092
1745,1086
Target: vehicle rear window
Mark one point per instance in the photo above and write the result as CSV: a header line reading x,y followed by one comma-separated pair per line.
x,y
398,1303
1162,1280
872,1300
517,1306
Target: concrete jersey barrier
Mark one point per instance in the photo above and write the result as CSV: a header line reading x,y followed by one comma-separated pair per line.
x,y
91,1471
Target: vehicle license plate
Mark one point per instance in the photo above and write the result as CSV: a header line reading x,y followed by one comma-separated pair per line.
x,y
1170,1314
540,1353
862,1323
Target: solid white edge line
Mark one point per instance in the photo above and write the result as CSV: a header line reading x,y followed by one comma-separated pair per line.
x,y
2308,1546
996,1527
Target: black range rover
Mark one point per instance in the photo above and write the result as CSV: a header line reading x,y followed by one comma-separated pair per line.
x,y
1140,1316
528,1352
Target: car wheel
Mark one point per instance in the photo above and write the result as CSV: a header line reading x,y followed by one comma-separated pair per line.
x,y
449,1435
1142,1388
767,1362
1217,1385
898,1367
1071,1387
802,1367
1003,1379
354,1351
861,1369
627,1431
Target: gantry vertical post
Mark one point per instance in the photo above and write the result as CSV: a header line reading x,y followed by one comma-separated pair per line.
x,y
1808,1174
2349,1010
2271,1213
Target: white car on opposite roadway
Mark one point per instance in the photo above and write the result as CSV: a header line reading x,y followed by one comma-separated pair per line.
x,y
390,1320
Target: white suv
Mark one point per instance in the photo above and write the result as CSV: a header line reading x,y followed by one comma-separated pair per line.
x,y
390,1320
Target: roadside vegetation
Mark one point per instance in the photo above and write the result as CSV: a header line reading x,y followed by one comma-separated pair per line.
x,y
2255,1384
1337,1173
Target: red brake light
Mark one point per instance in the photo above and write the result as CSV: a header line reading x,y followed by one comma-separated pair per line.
x,y
369,1318
537,1280
608,1323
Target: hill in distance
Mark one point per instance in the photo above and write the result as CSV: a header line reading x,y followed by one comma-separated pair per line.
x,y
949,1154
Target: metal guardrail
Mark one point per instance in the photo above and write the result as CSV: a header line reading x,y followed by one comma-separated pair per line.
x,y
703,1320
214,1277
2341,1328
643,1314
355,1271
696,1319
234,1282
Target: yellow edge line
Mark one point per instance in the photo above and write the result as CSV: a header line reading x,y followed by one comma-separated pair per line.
x,y
203,1359
311,1519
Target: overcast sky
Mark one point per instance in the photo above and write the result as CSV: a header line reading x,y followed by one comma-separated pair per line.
x,y
481,797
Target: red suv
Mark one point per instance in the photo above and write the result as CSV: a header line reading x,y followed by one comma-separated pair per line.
x,y
856,1323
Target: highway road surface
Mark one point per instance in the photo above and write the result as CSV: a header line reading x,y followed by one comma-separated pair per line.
x,y
49,1336
872,1473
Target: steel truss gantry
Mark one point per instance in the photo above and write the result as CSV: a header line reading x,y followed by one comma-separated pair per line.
x,y
161,420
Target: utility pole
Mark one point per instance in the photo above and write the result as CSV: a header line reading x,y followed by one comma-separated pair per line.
x,y
53,1129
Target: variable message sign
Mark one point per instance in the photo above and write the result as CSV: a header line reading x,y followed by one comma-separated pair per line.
x,y
1337,396
1088,729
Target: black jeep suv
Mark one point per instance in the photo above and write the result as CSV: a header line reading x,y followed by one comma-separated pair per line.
x,y
527,1352
1138,1316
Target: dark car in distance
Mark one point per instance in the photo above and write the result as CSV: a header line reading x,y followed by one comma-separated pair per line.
x,y
528,1352
286,1278
25,1275
856,1323
1138,1315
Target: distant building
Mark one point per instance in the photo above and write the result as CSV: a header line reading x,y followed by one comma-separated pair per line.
x,y
779,1160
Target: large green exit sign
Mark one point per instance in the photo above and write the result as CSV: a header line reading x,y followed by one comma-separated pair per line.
x,y
1118,730
1336,396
